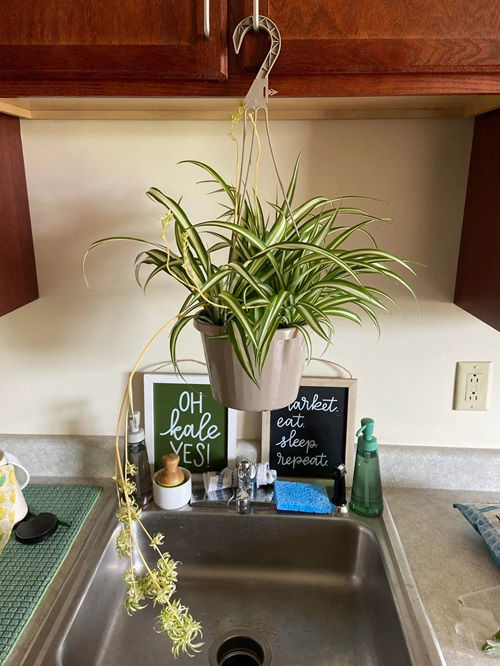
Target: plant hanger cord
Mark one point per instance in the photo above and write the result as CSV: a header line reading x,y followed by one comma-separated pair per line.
x,y
255,101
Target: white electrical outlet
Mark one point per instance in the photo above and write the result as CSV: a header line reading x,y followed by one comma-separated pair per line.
x,y
472,379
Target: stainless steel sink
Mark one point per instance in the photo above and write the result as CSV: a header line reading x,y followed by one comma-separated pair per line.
x,y
284,589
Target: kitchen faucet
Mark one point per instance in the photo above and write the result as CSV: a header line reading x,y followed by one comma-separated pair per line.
x,y
246,473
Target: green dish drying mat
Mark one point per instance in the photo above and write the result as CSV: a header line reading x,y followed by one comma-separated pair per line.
x,y
26,571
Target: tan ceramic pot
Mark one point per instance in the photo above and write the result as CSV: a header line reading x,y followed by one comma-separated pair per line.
x,y
280,378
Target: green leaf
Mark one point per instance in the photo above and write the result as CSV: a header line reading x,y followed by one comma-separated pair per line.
x,y
111,239
307,340
371,314
346,314
218,178
268,326
311,320
252,238
182,219
261,287
175,332
371,254
316,252
344,235
239,342
238,312
342,286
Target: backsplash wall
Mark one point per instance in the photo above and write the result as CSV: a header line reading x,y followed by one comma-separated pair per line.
x,y
64,358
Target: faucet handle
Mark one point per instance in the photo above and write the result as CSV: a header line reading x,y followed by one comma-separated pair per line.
x,y
246,469
247,485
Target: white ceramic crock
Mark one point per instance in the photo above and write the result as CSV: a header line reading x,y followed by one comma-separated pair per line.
x,y
22,479
173,498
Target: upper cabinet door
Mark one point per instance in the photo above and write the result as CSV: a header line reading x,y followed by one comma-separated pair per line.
x,y
112,39
383,36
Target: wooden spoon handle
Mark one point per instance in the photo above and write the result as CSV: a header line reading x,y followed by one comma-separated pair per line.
x,y
171,475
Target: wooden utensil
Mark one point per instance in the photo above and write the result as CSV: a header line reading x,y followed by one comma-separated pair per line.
x,y
171,475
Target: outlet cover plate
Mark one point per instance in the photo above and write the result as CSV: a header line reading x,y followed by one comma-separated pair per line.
x,y
472,383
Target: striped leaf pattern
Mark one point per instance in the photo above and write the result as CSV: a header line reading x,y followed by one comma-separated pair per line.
x,y
281,265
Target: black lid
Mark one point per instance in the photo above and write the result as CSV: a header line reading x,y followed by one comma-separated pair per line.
x,y
36,529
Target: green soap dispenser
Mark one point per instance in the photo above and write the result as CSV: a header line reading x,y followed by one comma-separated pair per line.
x,y
366,497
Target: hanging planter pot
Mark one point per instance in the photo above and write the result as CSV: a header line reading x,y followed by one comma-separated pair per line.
x,y
278,383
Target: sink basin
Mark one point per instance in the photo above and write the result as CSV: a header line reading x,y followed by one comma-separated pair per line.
x,y
284,589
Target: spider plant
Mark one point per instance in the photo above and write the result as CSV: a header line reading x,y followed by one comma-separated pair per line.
x,y
285,265
289,267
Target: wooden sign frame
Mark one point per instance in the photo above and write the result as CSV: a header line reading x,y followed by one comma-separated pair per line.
x,y
150,380
350,445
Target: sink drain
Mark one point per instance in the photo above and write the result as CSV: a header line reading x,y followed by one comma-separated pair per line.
x,y
240,648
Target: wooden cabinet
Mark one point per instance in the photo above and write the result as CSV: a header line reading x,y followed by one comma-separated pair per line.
x,y
399,46
18,283
329,47
478,276
385,36
51,40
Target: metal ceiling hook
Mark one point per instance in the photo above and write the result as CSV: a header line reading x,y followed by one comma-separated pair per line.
x,y
259,91
255,15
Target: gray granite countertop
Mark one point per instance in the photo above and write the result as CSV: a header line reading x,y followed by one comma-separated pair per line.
x,y
447,557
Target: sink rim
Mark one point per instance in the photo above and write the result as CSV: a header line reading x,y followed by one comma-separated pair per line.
x,y
420,637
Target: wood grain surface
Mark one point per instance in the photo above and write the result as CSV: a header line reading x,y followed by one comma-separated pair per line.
x,y
478,276
339,85
18,283
359,36
115,39
329,47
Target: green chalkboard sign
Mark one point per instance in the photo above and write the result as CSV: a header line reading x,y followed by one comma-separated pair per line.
x,y
181,416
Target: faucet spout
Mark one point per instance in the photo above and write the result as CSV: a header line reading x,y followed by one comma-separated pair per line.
x,y
247,485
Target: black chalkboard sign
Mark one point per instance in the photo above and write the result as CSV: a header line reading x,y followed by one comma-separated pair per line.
x,y
314,434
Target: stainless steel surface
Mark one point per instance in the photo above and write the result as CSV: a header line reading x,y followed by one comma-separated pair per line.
x,y
224,498
315,590
206,18
256,15
246,473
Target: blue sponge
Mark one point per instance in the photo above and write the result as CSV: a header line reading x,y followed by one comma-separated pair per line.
x,y
305,497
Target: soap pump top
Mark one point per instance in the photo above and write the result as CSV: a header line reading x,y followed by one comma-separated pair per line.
x,y
366,440
135,433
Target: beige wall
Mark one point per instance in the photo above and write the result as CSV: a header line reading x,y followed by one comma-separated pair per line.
x,y
63,358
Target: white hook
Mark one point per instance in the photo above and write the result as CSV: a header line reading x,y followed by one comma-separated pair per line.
x,y
259,90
